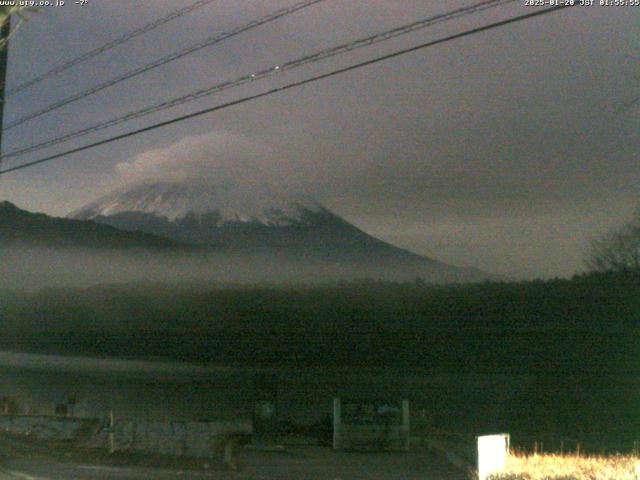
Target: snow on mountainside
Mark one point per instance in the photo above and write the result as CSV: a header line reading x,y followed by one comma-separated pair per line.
x,y
264,226
231,203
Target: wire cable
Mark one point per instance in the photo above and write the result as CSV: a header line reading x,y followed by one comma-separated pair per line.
x,y
289,86
163,61
314,57
108,46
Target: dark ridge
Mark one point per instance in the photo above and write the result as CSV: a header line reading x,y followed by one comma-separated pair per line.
x,y
21,228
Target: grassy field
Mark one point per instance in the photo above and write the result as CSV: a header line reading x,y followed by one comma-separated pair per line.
x,y
570,467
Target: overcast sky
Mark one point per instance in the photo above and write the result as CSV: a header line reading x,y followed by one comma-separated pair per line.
x,y
507,150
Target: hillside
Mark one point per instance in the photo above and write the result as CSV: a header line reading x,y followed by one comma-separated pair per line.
x,y
574,325
565,352
25,229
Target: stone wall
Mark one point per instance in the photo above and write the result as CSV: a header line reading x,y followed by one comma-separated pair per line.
x,y
175,438
46,428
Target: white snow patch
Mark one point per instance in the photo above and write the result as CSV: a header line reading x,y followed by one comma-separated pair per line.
x,y
175,200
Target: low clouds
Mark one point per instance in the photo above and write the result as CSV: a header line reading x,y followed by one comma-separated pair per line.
x,y
220,156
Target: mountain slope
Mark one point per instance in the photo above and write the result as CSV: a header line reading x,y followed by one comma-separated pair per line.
x,y
25,229
258,222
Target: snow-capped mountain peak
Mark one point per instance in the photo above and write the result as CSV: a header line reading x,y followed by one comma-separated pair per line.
x,y
229,203
255,227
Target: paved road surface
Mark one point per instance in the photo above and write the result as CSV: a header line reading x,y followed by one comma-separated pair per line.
x,y
302,463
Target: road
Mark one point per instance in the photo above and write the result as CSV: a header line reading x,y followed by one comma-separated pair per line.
x,y
303,463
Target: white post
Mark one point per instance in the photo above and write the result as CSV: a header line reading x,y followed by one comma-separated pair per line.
x,y
337,422
492,454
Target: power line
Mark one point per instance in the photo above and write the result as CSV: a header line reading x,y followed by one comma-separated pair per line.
x,y
314,57
289,86
108,46
164,60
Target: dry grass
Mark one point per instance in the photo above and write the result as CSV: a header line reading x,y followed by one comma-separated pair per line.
x,y
570,467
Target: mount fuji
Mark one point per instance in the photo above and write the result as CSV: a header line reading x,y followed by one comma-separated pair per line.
x,y
259,223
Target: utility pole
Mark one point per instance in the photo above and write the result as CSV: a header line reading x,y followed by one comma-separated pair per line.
x,y
4,57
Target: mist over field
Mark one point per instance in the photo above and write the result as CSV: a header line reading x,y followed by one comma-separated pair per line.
x,y
34,268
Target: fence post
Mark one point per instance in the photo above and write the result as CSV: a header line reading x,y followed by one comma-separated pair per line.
x,y
337,424
228,457
406,425
112,436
